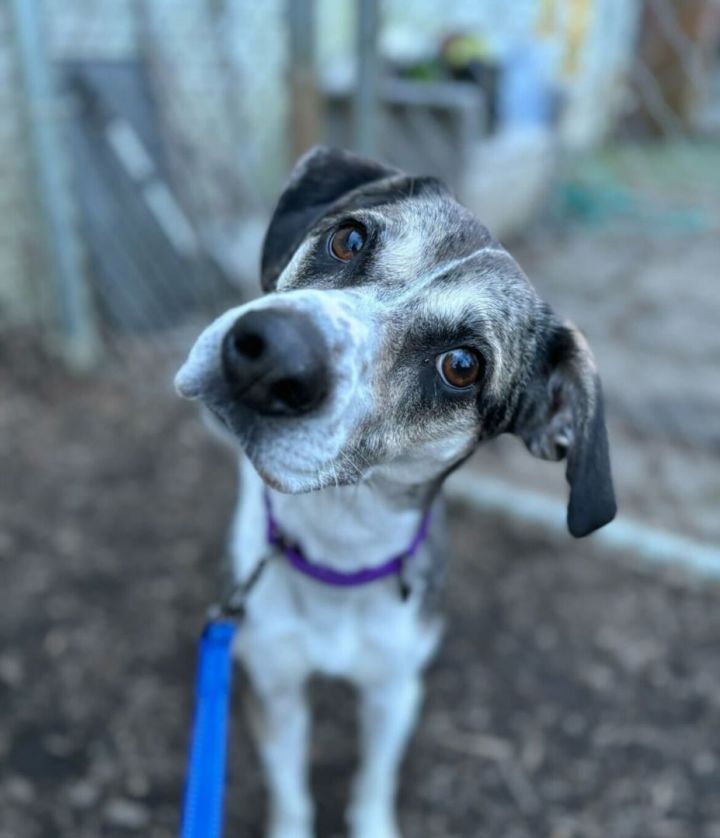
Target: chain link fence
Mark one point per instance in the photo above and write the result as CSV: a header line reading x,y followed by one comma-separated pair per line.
x,y
138,199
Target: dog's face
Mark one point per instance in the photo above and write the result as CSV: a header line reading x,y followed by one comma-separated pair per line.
x,y
395,335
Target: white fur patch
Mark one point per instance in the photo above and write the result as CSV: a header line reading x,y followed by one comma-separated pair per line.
x,y
299,451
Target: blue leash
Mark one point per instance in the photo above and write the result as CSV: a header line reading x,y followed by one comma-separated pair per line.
x,y
205,784
202,813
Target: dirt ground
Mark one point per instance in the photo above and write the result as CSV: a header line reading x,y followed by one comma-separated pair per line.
x,y
575,696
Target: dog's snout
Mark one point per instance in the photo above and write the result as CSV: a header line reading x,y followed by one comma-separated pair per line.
x,y
275,362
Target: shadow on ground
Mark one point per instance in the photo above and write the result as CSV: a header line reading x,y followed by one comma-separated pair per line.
x,y
574,697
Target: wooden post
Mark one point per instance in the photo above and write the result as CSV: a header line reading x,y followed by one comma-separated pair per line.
x,y
305,109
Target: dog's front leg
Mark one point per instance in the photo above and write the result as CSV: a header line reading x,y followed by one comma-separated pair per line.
x,y
281,724
388,712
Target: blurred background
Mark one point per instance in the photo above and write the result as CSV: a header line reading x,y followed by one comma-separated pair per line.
x,y
142,146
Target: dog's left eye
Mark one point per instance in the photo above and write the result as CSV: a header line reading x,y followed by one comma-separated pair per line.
x,y
347,241
460,368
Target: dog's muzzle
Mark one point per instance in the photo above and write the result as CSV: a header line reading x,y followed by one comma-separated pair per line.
x,y
275,362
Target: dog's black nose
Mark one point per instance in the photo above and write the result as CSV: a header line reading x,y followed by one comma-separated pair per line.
x,y
275,362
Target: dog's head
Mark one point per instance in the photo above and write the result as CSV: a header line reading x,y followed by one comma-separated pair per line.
x,y
394,336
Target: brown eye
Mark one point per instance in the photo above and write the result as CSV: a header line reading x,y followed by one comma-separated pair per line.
x,y
460,368
347,241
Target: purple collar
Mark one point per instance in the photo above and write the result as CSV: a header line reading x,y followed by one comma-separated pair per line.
x,y
341,578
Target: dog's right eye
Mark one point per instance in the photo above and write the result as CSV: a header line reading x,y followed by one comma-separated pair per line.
x,y
460,368
347,241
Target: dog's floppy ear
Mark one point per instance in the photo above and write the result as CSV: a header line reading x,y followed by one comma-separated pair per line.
x,y
561,414
320,177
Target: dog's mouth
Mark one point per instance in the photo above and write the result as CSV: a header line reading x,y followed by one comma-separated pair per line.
x,y
303,477
290,455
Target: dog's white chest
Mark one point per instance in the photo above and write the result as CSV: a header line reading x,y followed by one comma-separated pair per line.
x,y
295,627
334,638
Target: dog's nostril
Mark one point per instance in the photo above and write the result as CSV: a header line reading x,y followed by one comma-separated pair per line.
x,y
290,391
250,345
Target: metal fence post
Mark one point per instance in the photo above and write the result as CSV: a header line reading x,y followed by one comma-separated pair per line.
x,y
80,342
365,100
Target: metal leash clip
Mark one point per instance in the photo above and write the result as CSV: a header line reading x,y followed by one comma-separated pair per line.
x,y
404,586
232,605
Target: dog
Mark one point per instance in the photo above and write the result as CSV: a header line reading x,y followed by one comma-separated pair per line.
x,y
395,335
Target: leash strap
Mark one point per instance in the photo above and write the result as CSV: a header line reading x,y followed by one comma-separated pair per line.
x,y
205,784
